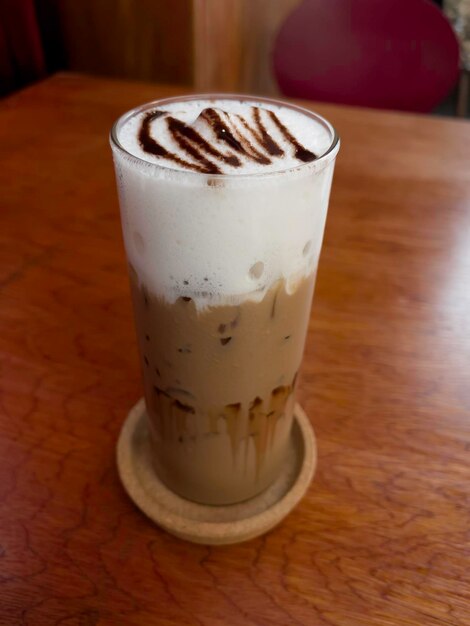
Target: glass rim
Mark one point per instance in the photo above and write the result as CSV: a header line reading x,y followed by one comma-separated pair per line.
x,y
324,158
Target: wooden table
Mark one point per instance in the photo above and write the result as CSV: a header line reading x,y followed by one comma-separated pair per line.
x,y
383,536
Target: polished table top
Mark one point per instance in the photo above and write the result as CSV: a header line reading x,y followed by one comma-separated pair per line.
x,y
382,537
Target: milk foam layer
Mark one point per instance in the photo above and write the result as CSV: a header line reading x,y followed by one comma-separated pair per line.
x,y
222,240
237,137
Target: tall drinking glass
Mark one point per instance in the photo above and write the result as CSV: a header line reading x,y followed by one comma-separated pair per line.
x,y
223,205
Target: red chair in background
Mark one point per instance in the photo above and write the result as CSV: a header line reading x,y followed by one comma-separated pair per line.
x,y
21,54
394,54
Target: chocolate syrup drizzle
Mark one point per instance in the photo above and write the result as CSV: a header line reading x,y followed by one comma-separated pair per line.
x,y
250,140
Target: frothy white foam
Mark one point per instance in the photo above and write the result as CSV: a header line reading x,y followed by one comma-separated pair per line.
x,y
222,239
237,115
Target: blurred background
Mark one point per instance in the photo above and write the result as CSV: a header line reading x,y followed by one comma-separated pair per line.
x,y
396,54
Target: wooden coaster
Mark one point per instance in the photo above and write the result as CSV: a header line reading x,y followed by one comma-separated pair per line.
x,y
213,525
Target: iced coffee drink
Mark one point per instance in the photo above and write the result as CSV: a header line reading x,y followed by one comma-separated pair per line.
x,y
223,205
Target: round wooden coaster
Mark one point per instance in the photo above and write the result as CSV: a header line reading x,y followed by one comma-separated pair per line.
x,y
213,525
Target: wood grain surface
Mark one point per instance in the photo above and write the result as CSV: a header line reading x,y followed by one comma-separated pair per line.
x,y
382,537
134,39
233,41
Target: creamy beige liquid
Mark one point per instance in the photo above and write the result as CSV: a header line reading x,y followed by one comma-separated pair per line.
x,y
219,387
